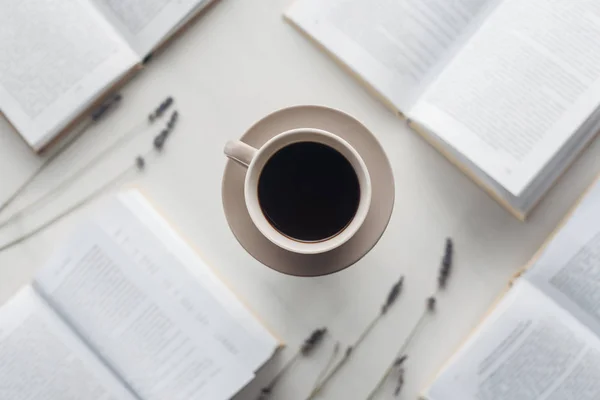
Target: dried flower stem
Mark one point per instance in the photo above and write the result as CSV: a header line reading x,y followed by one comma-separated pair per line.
x,y
391,298
315,392
138,166
97,115
401,352
43,200
68,211
332,357
266,391
309,344
430,308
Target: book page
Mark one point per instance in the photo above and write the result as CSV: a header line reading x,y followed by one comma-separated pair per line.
x,y
527,349
568,269
56,58
140,231
146,23
519,88
143,333
41,358
396,46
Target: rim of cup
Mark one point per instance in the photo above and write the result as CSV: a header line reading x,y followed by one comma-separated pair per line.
x,y
287,138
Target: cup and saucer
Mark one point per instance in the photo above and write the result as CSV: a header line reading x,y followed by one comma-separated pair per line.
x,y
307,190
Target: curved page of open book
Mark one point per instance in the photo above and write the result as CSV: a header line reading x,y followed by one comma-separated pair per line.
x,y
529,348
57,58
396,46
42,358
542,341
151,309
257,343
520,206
519,89
144,24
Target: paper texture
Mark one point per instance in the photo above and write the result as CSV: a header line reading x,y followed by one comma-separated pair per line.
x,y
529,348
519,89
568,271
145,23
140,231
120,307
41,358
563,277
57,56
394,45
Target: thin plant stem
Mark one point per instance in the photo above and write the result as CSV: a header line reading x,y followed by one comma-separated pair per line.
x,y
345,358
67,182
367,330
45,164
430,307
307,347
391,298
284,370
330,361
97,115
407,342
44,226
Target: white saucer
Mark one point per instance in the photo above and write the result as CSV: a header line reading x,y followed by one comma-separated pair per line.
x,y
362,242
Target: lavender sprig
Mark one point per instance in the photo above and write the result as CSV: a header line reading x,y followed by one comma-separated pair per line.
x,y
313,341
139,165
393,295
391,298
431,303
401,358
307,347
429,309
400,381
446,267
42,201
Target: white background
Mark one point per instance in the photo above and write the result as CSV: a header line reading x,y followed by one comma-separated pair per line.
x,y
238,63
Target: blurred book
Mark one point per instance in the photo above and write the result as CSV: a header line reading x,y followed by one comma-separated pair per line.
x,y
60,58
542,339
509,91
126,310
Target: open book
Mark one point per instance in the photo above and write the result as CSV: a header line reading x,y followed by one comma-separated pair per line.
x,y
128,311
59,57
542,340
508,90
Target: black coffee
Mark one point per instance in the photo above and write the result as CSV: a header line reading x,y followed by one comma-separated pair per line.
x,y
308,191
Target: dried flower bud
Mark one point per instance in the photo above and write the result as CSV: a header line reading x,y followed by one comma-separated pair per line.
x,y
161,138
393,295
431,304
164,106
313,341
159,142
172,120
446,266
160,110
265,393
349,351
400,382
99,112
400,360
140,162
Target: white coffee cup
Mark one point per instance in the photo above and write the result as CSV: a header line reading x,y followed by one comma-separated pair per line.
x,y
256,159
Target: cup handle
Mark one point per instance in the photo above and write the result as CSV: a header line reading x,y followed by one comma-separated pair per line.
x,y
240,152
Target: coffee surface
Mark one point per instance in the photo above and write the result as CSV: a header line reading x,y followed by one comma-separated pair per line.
x,y
308,191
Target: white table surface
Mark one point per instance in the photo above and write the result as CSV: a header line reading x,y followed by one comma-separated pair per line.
x,y
235,65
